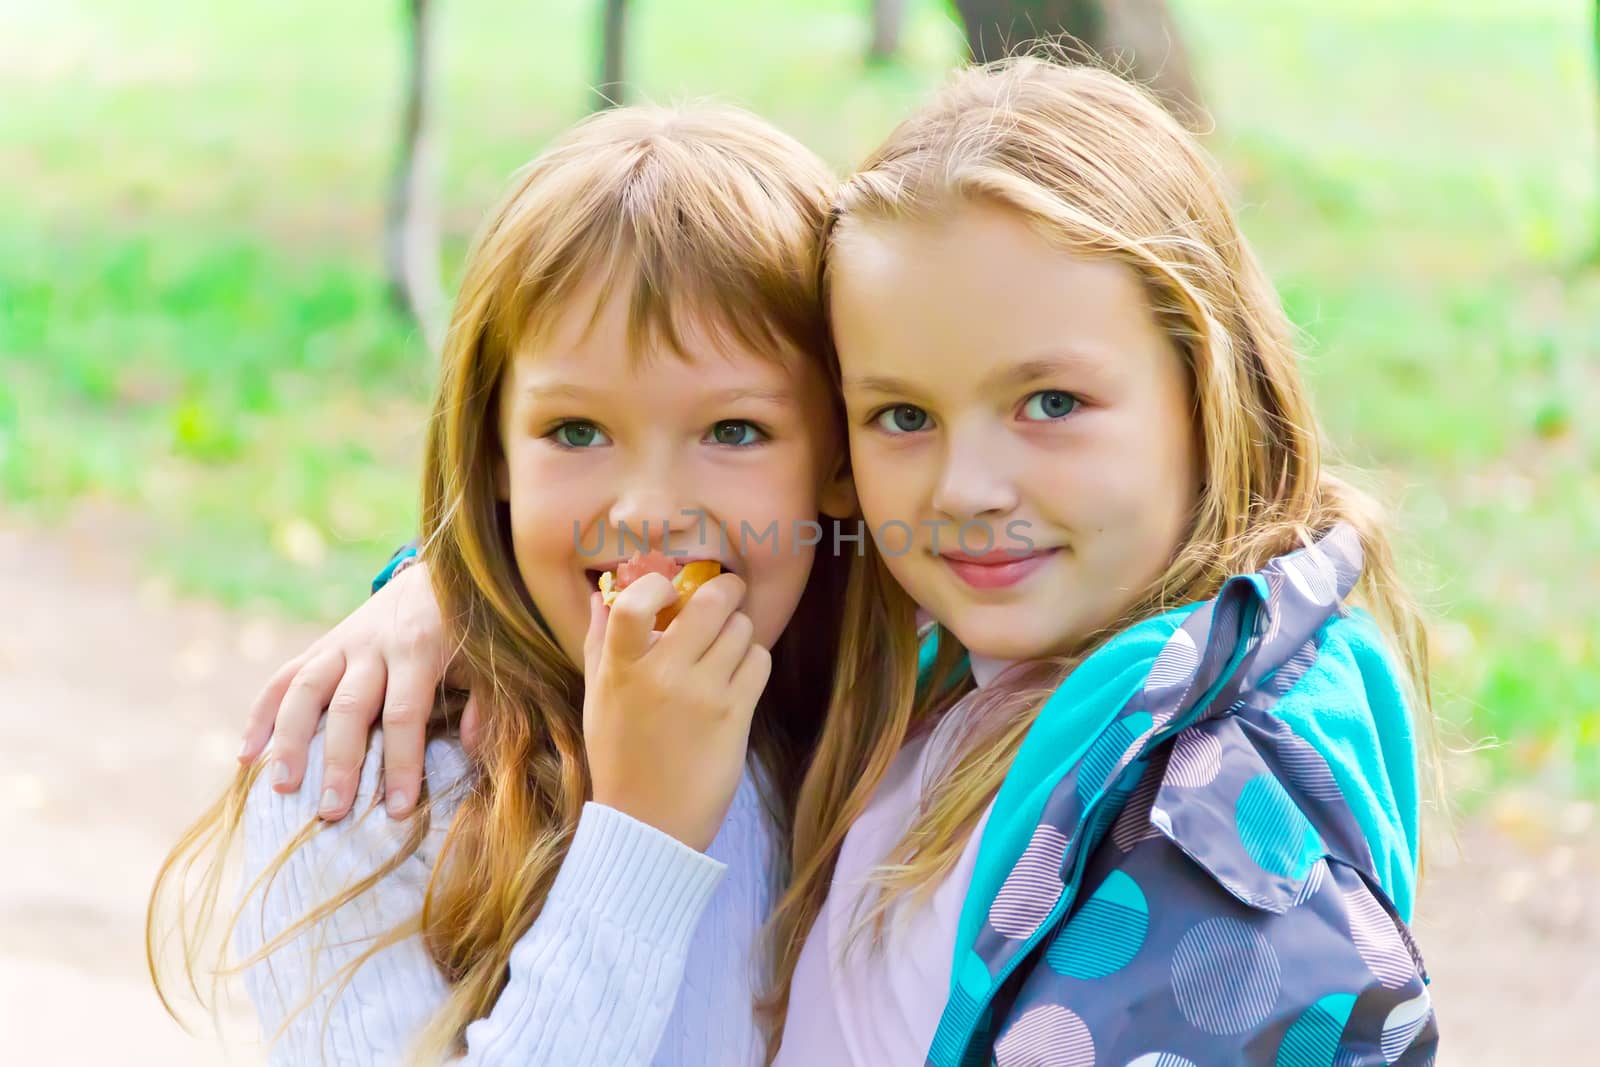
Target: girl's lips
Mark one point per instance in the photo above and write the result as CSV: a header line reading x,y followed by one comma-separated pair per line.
x,y
995,570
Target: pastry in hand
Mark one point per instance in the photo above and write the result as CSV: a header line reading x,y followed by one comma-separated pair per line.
x,y
687,576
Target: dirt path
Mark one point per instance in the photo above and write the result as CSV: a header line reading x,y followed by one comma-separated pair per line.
x,y
119,708
118,713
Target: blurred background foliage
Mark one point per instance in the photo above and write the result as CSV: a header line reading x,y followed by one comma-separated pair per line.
x,y
196,327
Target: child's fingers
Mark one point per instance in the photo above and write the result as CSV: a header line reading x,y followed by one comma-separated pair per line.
x,y
309,692
351,713
632,616
258,725
594,639
727,652
750,680
406,708
705,616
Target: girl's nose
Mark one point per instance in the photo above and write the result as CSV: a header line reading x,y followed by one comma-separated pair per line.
x,y
655,513
974,482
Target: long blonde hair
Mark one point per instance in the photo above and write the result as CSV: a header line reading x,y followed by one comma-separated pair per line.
x,y
705,213
1097,167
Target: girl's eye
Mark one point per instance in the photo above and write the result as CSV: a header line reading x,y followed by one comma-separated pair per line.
x,y
736,432
1048,404
580,434
902,418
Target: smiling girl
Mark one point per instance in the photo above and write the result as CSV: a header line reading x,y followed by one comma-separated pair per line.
x,y
638,337
1160,807
1147,795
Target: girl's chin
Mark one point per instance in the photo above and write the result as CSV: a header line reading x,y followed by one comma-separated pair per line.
x,y
1014,633
1004,647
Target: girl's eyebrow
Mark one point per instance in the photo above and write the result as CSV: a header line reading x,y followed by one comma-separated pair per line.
x,y
540,390
740,392
563,390
877,383
1046,365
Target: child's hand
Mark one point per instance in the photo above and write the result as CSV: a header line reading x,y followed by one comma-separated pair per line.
x,y
388,656
666,717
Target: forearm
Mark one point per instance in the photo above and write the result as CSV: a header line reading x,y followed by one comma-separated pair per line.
x,y
593,981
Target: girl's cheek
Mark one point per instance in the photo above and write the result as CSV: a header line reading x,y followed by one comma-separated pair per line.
x,y
545,508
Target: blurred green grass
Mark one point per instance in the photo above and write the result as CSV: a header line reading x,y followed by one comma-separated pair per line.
x,y
193,326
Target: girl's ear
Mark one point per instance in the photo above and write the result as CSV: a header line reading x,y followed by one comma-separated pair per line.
x,y
837,500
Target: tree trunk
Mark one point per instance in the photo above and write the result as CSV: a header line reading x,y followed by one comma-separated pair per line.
x,y
888,21
411,227
613,38
1142,37
1138,38
1000,28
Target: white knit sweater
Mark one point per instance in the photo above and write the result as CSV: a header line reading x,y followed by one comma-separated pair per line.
x,y
642,954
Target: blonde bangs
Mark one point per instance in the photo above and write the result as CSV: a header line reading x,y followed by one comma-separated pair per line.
x,y
707,222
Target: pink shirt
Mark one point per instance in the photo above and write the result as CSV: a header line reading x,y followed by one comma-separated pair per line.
x,y
855,1006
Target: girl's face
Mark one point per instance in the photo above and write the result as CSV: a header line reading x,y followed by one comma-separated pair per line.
x,y
606,446
1018,410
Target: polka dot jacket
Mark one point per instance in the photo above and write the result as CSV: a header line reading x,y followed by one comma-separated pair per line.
x,y
1199,888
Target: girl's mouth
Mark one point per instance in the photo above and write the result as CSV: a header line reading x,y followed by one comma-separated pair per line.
x,y
996,570
593,573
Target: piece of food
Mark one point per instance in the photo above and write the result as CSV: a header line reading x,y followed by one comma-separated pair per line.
x,y
686,578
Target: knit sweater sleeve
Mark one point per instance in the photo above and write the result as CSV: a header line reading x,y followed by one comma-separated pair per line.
x,y
594,981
